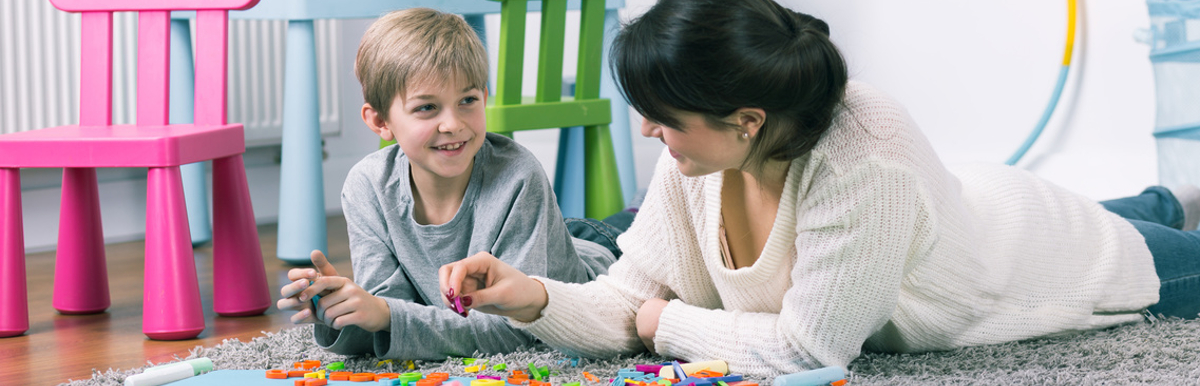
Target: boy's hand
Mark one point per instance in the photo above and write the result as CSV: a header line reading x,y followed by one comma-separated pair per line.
x,y
344,303
486,284
301,278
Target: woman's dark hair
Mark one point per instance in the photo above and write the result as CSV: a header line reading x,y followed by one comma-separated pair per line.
x,y
715,56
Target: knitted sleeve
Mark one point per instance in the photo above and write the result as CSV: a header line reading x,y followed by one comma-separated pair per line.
x,y
854,230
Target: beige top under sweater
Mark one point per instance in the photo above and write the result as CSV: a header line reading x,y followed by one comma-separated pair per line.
x,y
875,246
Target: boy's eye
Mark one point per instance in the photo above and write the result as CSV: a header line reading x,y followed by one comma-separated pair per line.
x,y
428,107
469,100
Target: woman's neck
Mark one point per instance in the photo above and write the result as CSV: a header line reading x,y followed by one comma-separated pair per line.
x,y
770,178
749,202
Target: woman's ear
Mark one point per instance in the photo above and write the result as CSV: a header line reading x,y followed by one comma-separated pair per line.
x,y
376,123
750,119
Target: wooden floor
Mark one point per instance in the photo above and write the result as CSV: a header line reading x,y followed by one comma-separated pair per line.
x,y
58,348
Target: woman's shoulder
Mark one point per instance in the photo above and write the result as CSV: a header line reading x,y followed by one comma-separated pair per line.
x,y
872,126
868,108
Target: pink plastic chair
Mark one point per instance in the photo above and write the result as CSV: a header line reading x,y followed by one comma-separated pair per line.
x,y
171,300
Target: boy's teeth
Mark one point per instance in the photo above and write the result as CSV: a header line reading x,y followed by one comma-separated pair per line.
x,y
451,146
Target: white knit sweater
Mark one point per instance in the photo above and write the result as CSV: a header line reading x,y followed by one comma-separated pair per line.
x,y
875,245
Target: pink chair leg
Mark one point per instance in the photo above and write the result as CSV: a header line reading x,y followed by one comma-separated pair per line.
x,y
14,302
171,302
80,274
239,279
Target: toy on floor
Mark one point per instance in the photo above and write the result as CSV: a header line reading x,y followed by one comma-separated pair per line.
x,y
310,373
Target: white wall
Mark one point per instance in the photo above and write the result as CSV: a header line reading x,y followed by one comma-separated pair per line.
x,y
977,75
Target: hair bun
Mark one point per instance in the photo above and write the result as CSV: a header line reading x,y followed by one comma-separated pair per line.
x,y
807,23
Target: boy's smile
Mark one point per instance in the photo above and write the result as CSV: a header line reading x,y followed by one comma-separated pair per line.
x,y
451,149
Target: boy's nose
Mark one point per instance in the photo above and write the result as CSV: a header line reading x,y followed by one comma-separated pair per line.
x,y
451,124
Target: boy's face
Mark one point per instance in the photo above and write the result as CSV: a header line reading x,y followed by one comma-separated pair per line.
x,y
440,125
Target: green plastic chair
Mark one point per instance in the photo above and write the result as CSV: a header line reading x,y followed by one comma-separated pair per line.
x,y
508,111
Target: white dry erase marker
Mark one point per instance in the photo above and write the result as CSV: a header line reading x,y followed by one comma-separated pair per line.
x,y
161,375
821,376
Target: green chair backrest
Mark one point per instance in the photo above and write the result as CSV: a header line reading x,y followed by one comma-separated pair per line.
x,y
510,111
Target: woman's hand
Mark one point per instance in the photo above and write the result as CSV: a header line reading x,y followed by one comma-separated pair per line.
x,y
342,303
647,321
486,284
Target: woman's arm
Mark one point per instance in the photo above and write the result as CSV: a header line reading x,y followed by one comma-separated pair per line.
x,y
594,319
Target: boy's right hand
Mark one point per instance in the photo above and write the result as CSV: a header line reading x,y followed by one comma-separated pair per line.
x,y
489,285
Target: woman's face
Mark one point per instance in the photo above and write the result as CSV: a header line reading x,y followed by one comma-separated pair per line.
x,y
698,147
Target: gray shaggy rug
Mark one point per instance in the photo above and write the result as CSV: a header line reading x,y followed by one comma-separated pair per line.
x,y
1165,352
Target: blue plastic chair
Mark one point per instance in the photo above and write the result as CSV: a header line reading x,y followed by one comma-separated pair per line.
x,y
302,201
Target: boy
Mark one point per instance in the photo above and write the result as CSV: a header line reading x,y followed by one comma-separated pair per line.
x,y
447,191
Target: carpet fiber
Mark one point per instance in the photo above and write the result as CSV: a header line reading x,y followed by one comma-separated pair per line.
x,y
1166,352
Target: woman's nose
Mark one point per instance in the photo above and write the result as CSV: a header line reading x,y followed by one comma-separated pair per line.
x,y
651,129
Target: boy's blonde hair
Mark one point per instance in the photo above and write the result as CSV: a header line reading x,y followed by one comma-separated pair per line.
x,y
406,47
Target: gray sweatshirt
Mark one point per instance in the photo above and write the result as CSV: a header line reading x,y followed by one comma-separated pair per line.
x,y
508,210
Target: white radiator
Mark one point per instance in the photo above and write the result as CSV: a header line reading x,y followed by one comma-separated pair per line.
x,y
39,71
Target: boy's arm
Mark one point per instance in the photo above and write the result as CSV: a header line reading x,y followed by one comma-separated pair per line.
x,y
418,331
433,332
531,236
421,328
372,261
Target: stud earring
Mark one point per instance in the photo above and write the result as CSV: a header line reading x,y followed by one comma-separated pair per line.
x,y
745,135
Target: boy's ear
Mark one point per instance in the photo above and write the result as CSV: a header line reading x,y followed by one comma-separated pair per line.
x,y
376,123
